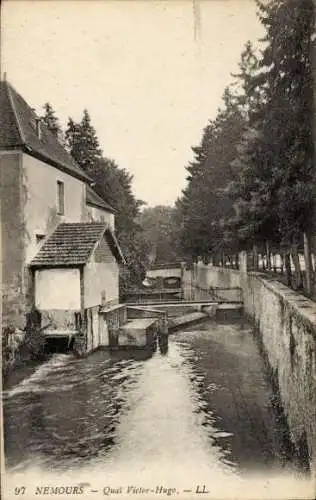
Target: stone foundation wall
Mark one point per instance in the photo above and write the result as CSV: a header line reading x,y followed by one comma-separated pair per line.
x,y
12,242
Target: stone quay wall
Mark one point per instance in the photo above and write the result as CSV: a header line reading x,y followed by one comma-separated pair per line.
x,y
285,323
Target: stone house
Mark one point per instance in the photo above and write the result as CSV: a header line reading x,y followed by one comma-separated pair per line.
x,y
58,247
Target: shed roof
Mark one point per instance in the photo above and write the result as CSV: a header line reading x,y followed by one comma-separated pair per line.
x,y
71,244
18,131
95,200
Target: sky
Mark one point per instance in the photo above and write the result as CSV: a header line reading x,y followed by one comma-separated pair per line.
x,y
150,73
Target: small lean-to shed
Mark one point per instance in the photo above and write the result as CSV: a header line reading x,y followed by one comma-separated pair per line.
x,y
77,268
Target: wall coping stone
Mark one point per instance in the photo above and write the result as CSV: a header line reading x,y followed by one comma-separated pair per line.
x,y
308,311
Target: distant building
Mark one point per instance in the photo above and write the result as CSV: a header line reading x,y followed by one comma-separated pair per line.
x,y
59,251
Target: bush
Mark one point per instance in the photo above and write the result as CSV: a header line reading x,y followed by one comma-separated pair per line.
x,y
8,351
15,349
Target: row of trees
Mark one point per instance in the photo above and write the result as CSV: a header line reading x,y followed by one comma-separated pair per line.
x,y
251,184
113,184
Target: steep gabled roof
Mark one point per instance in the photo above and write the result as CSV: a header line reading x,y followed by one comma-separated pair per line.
x,y
18,131
71,244
95,200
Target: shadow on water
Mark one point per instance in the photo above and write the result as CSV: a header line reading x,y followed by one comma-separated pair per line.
x,y
135,354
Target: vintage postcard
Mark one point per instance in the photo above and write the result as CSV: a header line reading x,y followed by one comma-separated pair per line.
x,y
158,268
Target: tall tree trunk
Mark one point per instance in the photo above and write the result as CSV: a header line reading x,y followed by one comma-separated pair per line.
x,y
263,264
281,263
313,68
222,259
274,263
255,257
287,265
297,266
308,263
268,256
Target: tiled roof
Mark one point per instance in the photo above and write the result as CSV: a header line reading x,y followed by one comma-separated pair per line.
x,y
115,247
94,199
18,131
71,244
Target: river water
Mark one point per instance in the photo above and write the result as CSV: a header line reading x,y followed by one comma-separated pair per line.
x,y
199,417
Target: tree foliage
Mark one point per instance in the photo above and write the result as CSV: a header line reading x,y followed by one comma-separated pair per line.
x,y
161,231
50,119
274,191
252,181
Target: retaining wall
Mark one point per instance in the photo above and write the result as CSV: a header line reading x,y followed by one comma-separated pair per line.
x,y
205,282
286,325
286,322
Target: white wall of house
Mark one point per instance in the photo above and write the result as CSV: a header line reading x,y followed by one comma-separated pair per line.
x,y
40,198
99,279
57,289
99,215
101,276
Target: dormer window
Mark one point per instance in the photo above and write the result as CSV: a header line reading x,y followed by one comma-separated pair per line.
x,y
60,198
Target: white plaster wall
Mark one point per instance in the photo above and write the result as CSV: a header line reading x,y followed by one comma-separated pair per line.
x,y
98,215
96,330
40,198
99,278
103,332
57,289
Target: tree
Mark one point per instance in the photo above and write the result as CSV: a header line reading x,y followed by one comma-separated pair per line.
x,y
50,119
275,190
206,203
160,229
83,143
